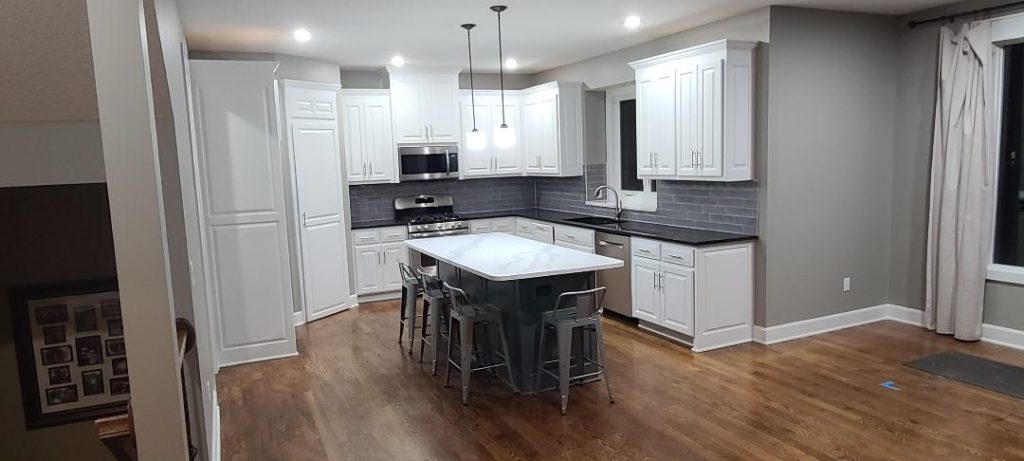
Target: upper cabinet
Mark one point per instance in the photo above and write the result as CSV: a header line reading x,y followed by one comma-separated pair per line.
x,y
425,106
552,132
367,137
491,160
695,113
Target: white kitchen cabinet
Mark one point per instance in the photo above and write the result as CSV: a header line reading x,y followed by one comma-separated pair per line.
x,y
245,215
366,131
505,225
321,271
704,294
480,226
552,134
710,89
535,230
425,106
377,254
574,237
491,161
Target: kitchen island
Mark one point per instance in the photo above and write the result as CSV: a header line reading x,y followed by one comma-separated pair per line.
x,y
522,277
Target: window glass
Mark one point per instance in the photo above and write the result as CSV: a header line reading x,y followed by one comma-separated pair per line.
x,y
627,146
1009,242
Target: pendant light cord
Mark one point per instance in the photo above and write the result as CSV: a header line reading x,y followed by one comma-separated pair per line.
x,y
472,89
501,72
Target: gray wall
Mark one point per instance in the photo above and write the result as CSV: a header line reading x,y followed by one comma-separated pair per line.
x,y
373,202
369,79
832,85
918,63
613,68
51,152
291,67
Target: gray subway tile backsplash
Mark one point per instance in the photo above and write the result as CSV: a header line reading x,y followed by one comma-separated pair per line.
x,y
728,207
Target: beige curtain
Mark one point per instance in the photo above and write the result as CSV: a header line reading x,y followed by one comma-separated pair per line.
x,y
961,185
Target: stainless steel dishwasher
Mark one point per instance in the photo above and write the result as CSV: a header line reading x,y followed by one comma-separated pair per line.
x,y
619,294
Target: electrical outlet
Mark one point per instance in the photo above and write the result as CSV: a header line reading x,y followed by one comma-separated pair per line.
x,y
846,284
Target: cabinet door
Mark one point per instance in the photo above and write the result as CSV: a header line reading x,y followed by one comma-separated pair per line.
x,y
646,299
480,226
506,225
380,148
656,153
677,297
549,151
476,163
368,269
408,108
353,134
543,233
442,109
533,135
392,254
686,123
709,137
508,161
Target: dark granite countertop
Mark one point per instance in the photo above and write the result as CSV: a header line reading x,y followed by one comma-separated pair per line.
x,y
675,234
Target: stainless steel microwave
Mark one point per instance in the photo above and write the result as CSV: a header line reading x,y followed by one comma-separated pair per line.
x,y
424,162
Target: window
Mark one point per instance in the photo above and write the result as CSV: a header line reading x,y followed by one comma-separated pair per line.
x,y
1009,231
620,112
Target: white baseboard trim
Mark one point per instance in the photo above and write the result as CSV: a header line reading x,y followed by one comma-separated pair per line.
x,y
383,296
215,431
1002,336
299,318
994,334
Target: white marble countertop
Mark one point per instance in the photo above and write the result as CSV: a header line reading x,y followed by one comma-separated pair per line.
x,y
502,257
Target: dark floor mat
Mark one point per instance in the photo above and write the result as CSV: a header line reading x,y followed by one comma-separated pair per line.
x,y
977,371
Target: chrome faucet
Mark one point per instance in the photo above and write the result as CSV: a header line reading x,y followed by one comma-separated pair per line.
x,y
618,203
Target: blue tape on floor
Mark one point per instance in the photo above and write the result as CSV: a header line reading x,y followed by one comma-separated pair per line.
x,y
891,385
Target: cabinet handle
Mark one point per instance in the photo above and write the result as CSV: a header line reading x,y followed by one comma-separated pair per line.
x,y
700,159
371,170
378,258
385,254
364,169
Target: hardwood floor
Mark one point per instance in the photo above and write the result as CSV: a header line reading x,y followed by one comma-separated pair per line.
x,y
354,395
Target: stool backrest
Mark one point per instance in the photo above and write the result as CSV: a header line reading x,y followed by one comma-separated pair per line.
x,y
432,284
459,298
588,303
409,277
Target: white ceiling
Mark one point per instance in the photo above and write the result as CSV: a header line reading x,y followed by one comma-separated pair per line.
x,y
540,34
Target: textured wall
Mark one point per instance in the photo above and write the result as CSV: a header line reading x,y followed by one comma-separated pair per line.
x,y
374,201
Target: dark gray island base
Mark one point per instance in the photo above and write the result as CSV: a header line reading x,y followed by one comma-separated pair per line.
x,y
522,302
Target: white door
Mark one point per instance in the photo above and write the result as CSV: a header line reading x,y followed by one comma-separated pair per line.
x,y
368,269
533,135
392,254
677,297
316,156
442,109
380,148
242,188
352,119
509,160
656,139
477,163
646,299
710,118
408,102
686,123
549,148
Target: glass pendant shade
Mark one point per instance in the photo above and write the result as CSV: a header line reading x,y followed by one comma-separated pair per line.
x,y
476,140
504,137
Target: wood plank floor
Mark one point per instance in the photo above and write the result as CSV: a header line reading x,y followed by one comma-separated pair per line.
x,y
354,395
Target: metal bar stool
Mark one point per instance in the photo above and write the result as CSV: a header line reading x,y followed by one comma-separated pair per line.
x,y
575,309
435,310
469,316
412,288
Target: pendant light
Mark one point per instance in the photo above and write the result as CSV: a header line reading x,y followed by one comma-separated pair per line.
x,y
475,139
504,136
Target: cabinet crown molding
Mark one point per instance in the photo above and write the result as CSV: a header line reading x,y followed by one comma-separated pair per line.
x,y
718,45
291,83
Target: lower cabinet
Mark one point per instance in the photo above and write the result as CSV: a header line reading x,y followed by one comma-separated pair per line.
x,y
535,230
377,254
506,225
705,294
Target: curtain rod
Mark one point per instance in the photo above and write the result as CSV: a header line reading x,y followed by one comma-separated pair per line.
x,y
979,11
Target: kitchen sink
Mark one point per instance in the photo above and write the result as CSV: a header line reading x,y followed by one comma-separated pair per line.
x,y
596,220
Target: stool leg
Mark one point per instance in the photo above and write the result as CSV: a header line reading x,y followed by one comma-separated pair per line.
x,y
466,353
564,355
448,356
603,360
412,321
504,351
401,315
540,358
427,320
435,339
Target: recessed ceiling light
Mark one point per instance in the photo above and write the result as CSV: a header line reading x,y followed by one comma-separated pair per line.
x,y
302,35
632,22
511,64
397,61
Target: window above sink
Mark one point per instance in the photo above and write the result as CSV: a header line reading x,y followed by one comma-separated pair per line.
x,y
618,168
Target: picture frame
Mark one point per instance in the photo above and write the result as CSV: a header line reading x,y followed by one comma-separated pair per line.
x,y
64,335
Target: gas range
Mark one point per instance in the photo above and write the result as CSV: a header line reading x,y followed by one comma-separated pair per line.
x,y
430,216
